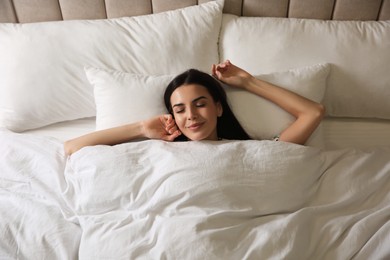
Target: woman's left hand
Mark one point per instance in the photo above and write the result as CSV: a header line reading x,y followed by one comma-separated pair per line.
x,y
231,74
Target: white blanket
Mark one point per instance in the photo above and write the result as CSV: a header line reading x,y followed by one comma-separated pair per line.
x,y
192,200
34,219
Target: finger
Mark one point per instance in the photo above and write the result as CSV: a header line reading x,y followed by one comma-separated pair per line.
x,y
224,64
172,129
218,74
171,125
222,69
213,69
219,69
172,136
176,134
167,117
167,121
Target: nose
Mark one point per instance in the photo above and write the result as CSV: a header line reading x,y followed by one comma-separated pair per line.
x,y
192,113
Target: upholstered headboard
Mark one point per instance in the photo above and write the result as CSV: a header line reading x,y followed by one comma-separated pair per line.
x,y
25,11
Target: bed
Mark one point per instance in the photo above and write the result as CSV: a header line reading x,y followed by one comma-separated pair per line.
x,y
69,67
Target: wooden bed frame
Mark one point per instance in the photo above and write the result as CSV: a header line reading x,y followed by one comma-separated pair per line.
x,y
27,11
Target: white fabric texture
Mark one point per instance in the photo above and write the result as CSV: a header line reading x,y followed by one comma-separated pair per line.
x,y
35,222
263,119
122,97
359,81
42,80
66,130
192,200
337,133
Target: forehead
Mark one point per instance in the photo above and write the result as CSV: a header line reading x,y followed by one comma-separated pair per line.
x,y
188,93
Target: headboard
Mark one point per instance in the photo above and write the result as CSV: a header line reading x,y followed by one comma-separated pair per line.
x,y
27,11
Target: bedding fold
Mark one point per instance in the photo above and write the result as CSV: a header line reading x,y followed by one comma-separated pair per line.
x,y
35,222
194,200
229,200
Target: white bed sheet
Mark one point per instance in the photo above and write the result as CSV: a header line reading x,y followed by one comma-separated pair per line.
x,y
339,132
66,130
356,133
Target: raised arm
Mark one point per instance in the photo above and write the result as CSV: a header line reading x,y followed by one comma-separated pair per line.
x,y
162,127
308,113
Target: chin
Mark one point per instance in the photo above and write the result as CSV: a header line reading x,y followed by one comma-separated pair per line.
x,y
196,137
199,137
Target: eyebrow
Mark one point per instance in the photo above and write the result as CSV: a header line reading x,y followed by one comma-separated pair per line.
x,y
193,101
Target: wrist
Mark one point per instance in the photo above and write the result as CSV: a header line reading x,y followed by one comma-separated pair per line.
x,y
136,130
141,126
251,83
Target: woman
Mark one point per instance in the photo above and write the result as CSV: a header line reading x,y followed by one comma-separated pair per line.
x,y
199,111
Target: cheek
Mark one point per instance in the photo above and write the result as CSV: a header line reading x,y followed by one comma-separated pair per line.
x,y
179,122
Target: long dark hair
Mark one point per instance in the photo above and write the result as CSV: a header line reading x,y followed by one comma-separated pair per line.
x,y
228,126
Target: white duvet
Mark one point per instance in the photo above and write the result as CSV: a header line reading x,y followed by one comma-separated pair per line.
x,y
192,200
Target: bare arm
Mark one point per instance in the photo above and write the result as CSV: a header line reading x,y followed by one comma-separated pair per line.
x,y
308,113
162,127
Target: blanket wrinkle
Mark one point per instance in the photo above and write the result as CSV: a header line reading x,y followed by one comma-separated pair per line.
x,y
376,246
152,199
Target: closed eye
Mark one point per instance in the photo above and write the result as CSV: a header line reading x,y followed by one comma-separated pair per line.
x,y
198,102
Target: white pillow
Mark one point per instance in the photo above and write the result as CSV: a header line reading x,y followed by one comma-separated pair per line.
x,y
261,118
358,51
125,97
42,80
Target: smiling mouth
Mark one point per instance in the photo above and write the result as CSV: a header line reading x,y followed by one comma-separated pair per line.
x,y
195,126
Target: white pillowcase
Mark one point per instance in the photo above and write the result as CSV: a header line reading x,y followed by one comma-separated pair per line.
x,y
125,98
262,119
42,80
358,51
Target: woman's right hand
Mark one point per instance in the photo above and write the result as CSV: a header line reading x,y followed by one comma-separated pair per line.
x,y
161,127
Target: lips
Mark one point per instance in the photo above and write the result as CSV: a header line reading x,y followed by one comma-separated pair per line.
x,y
195,126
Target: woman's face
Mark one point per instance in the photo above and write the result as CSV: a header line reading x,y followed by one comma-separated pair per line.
x,y
195,112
